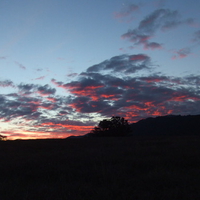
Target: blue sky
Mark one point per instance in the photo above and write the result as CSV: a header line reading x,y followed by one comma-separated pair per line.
x,y
67,64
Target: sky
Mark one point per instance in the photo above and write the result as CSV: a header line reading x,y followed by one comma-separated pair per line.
x,y
67,64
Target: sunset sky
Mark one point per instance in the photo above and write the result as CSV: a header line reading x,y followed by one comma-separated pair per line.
x,y
67,64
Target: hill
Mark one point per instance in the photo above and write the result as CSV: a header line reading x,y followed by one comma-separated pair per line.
x,y
169,125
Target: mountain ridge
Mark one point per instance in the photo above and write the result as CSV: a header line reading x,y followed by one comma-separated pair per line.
x,y
167,125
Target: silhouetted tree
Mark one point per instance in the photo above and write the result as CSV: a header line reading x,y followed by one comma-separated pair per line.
x,y
115,126
2,138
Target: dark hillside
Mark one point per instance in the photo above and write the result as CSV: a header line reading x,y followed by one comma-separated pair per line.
x,y
168,125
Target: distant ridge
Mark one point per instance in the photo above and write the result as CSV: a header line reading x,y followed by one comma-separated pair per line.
x,y
167,125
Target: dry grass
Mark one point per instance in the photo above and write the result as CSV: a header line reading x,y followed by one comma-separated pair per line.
x,y
101,168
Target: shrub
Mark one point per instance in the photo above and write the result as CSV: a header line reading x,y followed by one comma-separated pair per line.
x,y
2,138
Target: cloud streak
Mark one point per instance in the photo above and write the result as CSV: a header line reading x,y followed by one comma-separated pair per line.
x,y
20,65
160,19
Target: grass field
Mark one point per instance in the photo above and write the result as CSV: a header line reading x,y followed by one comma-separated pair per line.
x,y
101,169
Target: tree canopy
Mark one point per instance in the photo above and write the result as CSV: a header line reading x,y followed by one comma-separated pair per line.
x,y
115,126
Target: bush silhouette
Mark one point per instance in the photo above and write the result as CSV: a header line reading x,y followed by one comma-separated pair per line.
x,y
115,126
2,138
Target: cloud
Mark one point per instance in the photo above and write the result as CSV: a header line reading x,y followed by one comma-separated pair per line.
x,y
6,83
28,103
182,53
46,90
40,78
39,70
85,87
72,75
20,65
133,97
160,19
28,89
11,109
152,45
26,107
123,63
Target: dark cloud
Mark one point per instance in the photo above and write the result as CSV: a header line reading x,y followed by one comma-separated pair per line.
x,y
10,110
193,80
84,87
27,89
2,99
63,113
161,19
133,97
152,45
123,63
28,108
6,83
39,70
46,90
28,104
158,19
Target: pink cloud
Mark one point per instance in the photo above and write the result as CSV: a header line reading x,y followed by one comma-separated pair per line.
x,y
182,53
152,46
40,78
139,57
72,74
52,99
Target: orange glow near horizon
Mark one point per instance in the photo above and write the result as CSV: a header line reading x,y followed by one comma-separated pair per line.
x,y
27,135
70,127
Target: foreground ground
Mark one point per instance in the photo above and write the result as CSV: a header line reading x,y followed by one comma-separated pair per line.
x,y
101,169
